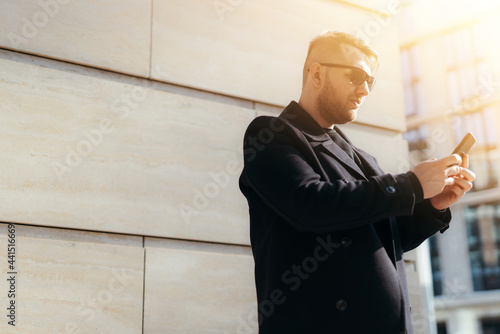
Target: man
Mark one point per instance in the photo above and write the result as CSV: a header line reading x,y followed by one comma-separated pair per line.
x,y
328,228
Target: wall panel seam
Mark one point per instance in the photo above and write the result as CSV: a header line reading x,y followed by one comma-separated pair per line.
x,y
143,236
143,282
151,41
131,76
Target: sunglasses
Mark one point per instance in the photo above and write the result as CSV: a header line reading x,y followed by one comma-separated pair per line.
x,y
358,76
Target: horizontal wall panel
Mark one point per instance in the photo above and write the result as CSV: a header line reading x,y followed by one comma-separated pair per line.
x,y
92,150
72,282
110,34
268,110
198,288
221,49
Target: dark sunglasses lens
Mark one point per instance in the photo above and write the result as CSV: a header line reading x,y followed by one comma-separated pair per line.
x,y
357,77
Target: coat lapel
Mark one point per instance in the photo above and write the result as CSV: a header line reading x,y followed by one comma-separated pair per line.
x,y
342,156
385,230
317,137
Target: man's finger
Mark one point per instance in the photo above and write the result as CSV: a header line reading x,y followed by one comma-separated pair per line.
x,y
460,188
458,191
465,160
467,174
463,184
454,170
449,181
452,160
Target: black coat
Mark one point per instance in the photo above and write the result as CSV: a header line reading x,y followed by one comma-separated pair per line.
x,y
328,238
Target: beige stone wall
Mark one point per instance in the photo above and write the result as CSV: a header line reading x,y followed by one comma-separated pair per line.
x,y
121,127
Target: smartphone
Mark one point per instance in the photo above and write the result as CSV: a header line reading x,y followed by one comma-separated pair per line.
x,y
466,144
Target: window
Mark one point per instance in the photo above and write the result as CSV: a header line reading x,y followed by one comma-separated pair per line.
x,y
441,328
468,86
491,326
437,282
411,82
463,65
417,138
483,235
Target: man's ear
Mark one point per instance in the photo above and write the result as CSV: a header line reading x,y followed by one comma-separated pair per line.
x,y
315,75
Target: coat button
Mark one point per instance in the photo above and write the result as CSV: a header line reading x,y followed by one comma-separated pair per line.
x,y
390,190
341,305
346,242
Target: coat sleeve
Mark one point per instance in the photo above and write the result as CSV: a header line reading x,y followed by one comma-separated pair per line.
x,y
280,173
422,224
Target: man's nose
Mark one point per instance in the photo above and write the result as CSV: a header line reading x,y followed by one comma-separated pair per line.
x,y
363,89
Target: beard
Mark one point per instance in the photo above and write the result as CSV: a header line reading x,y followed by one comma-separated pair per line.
x,y
332,108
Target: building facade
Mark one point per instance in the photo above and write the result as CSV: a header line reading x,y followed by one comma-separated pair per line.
x,y
452,86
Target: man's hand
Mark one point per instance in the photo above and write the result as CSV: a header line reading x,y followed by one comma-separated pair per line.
x,y
445,181
454,192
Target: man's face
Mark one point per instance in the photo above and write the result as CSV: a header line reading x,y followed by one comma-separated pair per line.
x,y
339,99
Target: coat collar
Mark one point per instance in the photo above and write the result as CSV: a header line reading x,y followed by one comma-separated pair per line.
x,y
316,135
300,118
